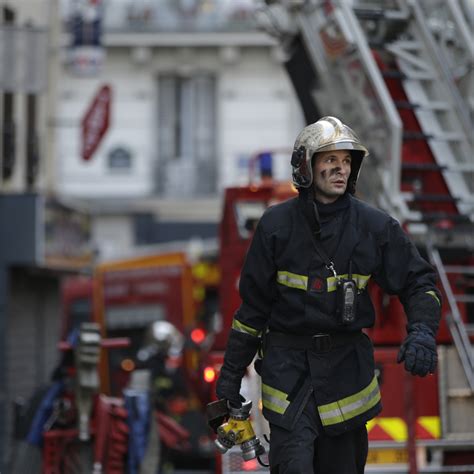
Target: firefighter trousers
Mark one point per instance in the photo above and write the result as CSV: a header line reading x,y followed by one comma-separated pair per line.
x,y
307,450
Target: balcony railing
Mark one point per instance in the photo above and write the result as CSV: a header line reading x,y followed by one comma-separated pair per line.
x,y
132,16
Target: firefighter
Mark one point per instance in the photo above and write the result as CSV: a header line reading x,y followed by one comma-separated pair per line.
x,y
162,341
305,303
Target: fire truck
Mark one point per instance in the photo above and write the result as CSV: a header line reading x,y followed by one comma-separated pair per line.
x,y
401,70
117,307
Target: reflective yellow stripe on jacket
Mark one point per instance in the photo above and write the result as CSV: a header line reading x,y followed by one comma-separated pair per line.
x,y
293,280
241,327
352,406
274,400
300,282
361,281
434,295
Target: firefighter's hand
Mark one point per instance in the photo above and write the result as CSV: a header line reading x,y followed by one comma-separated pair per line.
x,y
229,390
418,350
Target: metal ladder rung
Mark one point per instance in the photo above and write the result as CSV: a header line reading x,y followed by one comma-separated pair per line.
x,y
429,217
419,76
369,13
467,270
446,469
459,168
448,136
407,76
431,198
393,74
403,469
462,168
435,197
408,45
376,44
386,469
462,392
445,137
422,167
469,329
378,13
416,135
435,105
439,105
405,104
411,197
464,298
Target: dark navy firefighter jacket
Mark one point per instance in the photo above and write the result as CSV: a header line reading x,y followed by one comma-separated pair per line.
x,y
286,287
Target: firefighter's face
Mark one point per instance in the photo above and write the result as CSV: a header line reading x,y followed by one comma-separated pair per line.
x,y
331,171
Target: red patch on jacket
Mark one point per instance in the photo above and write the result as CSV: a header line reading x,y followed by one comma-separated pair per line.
x,y
317,285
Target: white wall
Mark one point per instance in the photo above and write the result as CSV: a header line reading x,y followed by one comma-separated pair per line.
x,y
113,235
131,126
258,111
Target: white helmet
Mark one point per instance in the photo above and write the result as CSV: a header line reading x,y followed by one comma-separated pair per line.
x,y
327,134
163,338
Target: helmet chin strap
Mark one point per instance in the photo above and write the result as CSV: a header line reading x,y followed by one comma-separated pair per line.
x,y
355,168
350,189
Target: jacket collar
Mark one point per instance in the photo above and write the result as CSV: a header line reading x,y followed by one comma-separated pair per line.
x,y
349,240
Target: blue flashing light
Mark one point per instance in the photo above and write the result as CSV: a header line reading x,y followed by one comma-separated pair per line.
x,y
265,163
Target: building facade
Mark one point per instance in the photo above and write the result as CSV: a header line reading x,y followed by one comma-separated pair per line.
x,y
196,92
29,283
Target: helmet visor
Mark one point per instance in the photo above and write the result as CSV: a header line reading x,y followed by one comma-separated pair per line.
x,y
344,145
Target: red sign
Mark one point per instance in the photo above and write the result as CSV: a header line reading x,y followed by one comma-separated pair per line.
x,y
95,122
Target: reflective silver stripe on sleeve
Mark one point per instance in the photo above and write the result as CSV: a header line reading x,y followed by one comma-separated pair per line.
x,y
292,280
274,400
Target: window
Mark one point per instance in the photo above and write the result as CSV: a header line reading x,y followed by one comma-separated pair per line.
x,y
119,159
247,215
186,136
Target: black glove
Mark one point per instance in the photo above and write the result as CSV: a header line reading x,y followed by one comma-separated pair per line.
x,y
241,349
227,389
418,350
